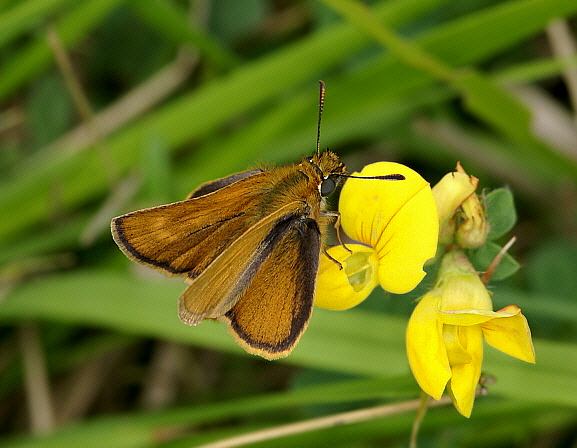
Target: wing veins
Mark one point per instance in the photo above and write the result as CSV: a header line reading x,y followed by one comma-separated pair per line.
x,y
224,281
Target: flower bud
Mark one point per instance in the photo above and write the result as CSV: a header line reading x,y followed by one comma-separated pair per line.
x,y
450,192
473,229
461,216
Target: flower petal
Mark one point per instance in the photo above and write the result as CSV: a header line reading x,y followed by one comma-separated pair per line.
x,y
465,377
462,290
510,334
340,289
426,348
397,218
471,316
450,192
455,350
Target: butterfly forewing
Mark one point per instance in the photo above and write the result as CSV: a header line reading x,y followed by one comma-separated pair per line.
x,y
185,237
226,279
276,307
214,185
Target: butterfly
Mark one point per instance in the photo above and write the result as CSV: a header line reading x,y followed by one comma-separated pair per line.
x,y
247,245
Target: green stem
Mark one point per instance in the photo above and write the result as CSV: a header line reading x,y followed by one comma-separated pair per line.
x,y
421,411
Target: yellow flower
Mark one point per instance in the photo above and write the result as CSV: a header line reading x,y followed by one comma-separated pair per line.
x,y
396,220
445,333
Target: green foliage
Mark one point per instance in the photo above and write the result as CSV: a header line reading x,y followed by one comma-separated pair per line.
x,y
423,82
501,216
484,256
49,110
501,213
551,268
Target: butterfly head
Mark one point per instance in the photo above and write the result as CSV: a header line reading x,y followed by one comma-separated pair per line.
x,y
326,169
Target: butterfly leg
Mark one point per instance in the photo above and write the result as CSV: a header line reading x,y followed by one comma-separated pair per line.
x,y
338,229
332,259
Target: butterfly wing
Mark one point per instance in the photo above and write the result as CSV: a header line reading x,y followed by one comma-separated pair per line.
x,y
217,184
183,238
256,273
231,274
275,309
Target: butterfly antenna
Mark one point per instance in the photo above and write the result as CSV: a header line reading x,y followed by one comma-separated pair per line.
x,y
385,177
321,104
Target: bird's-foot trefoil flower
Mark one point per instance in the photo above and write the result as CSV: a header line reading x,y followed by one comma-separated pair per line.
x,y
397,225
446,330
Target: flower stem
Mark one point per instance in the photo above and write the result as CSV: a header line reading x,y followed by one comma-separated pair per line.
x,y
345,418
486,278
421,411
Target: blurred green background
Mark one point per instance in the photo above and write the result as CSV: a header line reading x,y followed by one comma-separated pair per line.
x,y
108,106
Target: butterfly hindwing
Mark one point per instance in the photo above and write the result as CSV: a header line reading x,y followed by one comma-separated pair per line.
x,y
225,280
275,309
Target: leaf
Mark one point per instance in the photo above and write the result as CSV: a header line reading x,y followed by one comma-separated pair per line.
x,y
501,212
84,174
25,15
34,58
173,23
50,110
484,256
552,268
351,342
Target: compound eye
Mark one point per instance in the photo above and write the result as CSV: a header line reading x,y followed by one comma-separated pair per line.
x,y
328,185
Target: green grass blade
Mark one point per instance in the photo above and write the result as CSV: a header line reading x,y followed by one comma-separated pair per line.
x,y
37,55
172,23
25,15
191,116
488,101
352,342
143,430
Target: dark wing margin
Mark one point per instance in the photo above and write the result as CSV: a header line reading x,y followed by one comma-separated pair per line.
x,y
275,309
165,238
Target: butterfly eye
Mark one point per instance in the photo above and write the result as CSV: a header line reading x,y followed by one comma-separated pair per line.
x,y
328,185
